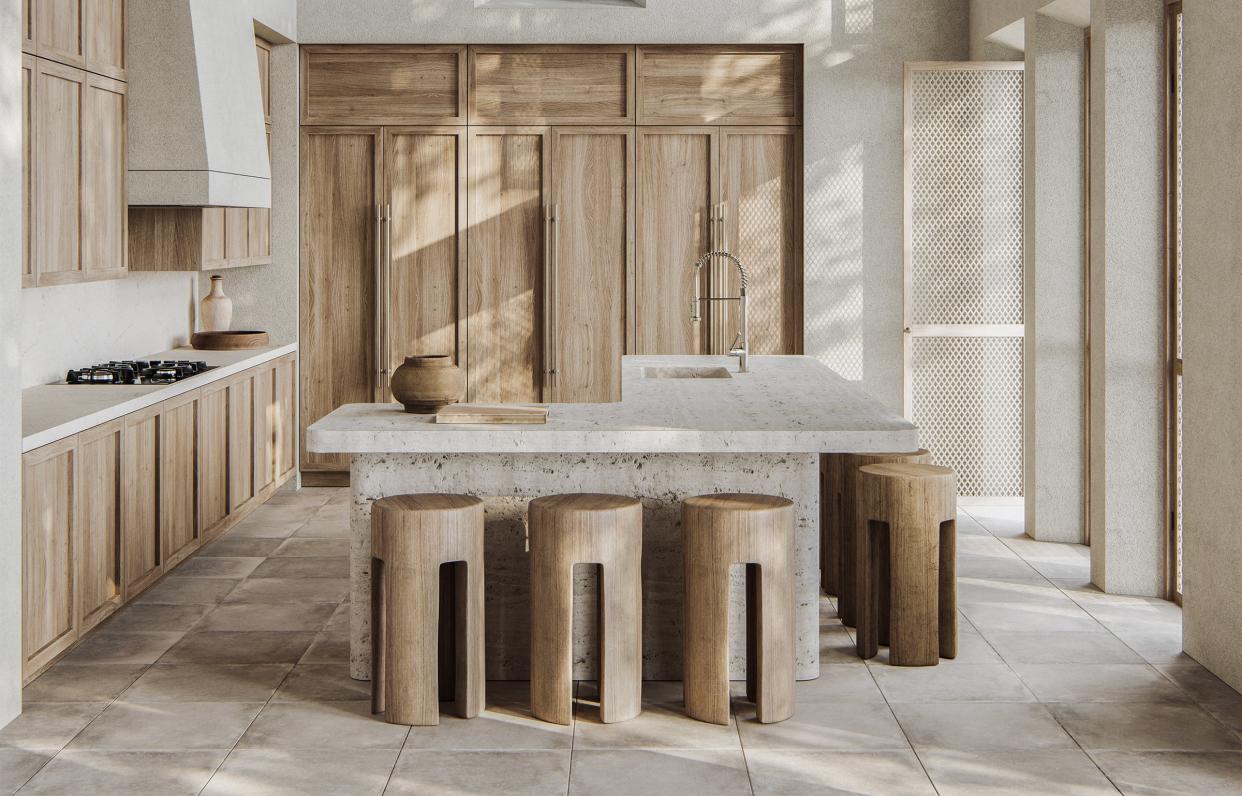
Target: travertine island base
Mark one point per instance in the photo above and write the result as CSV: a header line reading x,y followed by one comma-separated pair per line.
x,y
679,430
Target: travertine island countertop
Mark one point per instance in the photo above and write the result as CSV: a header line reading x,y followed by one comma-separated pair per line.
x,y
786,404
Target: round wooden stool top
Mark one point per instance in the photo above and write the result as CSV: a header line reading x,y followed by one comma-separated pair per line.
x,y
583,503
909,471
737,501
423,503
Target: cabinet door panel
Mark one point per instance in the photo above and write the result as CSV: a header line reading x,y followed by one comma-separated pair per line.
x,y
592,190
424,174
241,441
49,619
105,37
719,84
60,94
285,414
142,553
59,31
104,211
383,85
263,51
505,282
760,185
551,84
676,195
28,35
178,444
213,457
264,416
339,194
29,184
98,588
258,235
236,233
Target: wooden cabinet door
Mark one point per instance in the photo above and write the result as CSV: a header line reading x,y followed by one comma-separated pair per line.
x,y
425,257
264,439
507,201
592,233
49,491
552,84
142,552
213,457
29,184
105,37
286,414
385,84
178,459
59,30
241,440
99,587
28,22
236,234
258,235
104,202
340,258
719,84
263,51
676,211
60,96
761,190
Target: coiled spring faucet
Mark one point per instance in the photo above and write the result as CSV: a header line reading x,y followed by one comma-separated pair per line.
x,y
741,344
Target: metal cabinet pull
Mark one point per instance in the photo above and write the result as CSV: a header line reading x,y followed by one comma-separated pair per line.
x,y
378,342
387,288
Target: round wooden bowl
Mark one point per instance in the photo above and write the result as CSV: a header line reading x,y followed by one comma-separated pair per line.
x,y
227,341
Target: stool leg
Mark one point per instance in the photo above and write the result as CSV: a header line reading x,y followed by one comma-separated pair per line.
x,y
850,596
914,589
870,556
752,632
707,643
377,636
948,589
471,664
775,631
411,693
551,675
621,644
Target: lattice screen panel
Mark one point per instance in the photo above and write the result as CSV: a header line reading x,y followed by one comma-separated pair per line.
x,y
967,403
966,196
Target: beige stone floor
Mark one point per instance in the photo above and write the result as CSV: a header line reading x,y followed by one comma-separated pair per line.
x,y
230,677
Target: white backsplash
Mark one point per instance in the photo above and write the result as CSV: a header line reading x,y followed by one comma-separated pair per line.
x,y
71,326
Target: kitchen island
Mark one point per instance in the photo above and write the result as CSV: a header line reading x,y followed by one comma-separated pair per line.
x,y
685,425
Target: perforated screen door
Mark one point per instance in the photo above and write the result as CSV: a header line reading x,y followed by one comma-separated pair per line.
x,y
964,274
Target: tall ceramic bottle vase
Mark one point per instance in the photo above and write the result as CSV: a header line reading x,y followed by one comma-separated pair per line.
x,y
216,309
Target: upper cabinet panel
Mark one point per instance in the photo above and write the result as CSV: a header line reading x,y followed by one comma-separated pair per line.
x,y
105,37
552,84
59,33
383,85
28,37
720,84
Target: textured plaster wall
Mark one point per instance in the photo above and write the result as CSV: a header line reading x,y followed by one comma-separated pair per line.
x,y
10,361
1127,296
1055,287
855,50
1212,345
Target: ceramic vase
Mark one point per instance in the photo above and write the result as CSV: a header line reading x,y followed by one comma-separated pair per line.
x,y
216,309
426,384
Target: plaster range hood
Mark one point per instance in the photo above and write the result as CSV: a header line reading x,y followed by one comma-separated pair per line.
x,y
196,129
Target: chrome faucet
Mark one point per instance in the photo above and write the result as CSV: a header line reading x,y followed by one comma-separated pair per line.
x,y
741,343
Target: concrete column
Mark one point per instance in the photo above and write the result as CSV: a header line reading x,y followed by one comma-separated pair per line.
x,y
1212,338
1055,274
1128,526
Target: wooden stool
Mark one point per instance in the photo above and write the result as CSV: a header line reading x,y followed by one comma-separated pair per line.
x,y
719,531
908,539
426,630
849,522
586,529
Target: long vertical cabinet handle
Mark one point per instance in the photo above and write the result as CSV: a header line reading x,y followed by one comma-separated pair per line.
x,y
547,304
378,342
556,293
387,290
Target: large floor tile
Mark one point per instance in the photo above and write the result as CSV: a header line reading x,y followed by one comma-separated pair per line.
x,y
240,546
168,726
839,684
303,771
1158,647
1060,647
49,725
303,567
197,682
1030,616
971,648
1060,772
67,682
981,726
290,590
123,647
175,590
320,527
656,727
322,683
1200,684
896,772
517,773
1098,682
505,727
251,528
951,682
1161,773
322,725
282,617
313,548
856,726
1024,591
19,765
1129,726
993,567
683,772
156,617
836,646
327,648
127,772
241,646
219,566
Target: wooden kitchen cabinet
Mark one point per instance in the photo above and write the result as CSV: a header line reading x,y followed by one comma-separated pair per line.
x,y
29,186
213,458
263,442
178,478
28,37
385,84
284,402
241,440
263,51
60,30
49,517
507,201
60,93
719,84
89,34
552,84
142,549
104,23
99,588
198,238
104,192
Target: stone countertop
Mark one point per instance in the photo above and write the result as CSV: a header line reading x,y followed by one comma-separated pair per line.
x,y
786,404
51,412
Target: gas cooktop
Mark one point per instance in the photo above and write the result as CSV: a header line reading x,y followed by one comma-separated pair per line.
x,y
138,372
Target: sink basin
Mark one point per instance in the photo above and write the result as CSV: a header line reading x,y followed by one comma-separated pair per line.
x,y
686,373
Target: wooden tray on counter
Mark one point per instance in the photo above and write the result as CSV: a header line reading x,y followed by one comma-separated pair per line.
x,y
227,341
477,414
